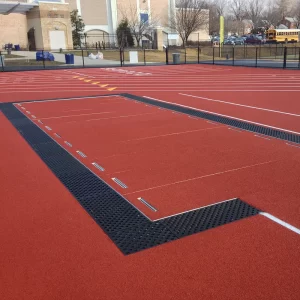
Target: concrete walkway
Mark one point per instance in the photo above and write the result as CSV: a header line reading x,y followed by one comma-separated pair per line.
x,y
60,57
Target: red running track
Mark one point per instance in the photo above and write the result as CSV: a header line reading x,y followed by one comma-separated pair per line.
x,y
52,249
175,162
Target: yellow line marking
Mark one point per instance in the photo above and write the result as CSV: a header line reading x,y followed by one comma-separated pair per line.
x,y
75,76
88,80
103,85
81,78
111,89
95,82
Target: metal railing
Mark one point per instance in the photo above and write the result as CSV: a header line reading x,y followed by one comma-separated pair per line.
x,y
270,56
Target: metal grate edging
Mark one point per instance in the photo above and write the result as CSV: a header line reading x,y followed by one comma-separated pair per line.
x,y
278,134
127,227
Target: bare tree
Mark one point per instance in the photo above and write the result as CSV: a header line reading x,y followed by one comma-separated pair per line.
x,y
238,9
271,14
220,6
139,27
296,10
189,16
254,11
216,8
283,7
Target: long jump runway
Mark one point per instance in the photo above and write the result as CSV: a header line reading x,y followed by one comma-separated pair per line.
x,y
154,180
173,161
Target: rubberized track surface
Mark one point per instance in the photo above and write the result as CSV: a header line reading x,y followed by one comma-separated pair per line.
x,y
53,247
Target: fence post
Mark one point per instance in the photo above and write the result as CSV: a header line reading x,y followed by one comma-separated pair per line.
x,y
2,63
256,50
244,51
213,55
121,57
167,56
284,57
43,59
233,55
185,55
299,59
82,57
198,55
145,57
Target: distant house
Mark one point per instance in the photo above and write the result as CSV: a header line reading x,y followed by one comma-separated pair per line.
x,y
248,26
289,22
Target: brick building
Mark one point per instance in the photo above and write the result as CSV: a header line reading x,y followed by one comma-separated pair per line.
x,y
36,25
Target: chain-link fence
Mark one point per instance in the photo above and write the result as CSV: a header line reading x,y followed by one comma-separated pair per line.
x,y
274,56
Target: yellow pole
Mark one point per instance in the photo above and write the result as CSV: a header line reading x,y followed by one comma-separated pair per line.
x,y
221,34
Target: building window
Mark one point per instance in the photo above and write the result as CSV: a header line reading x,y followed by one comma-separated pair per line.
x,y
144,17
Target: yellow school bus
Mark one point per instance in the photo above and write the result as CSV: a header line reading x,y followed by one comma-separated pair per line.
x,y
283,35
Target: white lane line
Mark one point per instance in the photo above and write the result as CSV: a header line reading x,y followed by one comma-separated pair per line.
x,y
280,222
222,115
234,129
297,145
242,105
186,211
204,176
23,107
40,122
67,99
147,204
77,109
70,116
169,134
47,127
81,153
119,182
126,116
69,144
28,112
98,166
33,116
261,136
57,135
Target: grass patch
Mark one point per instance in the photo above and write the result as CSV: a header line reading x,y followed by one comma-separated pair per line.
x,y
12,55
31,62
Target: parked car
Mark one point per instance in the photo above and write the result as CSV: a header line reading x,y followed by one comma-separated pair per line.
x,y
239,41
229,42
253,40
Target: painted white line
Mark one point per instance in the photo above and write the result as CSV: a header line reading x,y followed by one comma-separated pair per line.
x,y
187,211
119,182
280,222
204,176
297,145
242,105
57,135
69,144
170,134
235,129
23,107
98,167
28,112
75,98
40,122
261,136
81,153
47,127
222,115
70,116
127,116
33,116
147,204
